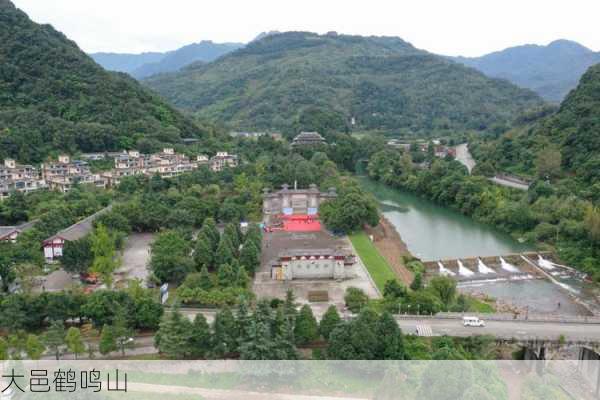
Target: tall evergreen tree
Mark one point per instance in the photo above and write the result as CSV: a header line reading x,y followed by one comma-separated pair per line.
x,y
55,338
173,336
391,343
306,328
224,254
200,339
205,281
225,333
209,228
330,320
232,233
249,257
226,276
242,279
204,253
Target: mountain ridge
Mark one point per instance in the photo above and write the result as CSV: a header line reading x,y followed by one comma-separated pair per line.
x,y
551,70
273,82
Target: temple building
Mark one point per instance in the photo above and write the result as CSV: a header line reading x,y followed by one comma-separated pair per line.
x,y
295,201
308,139
312,264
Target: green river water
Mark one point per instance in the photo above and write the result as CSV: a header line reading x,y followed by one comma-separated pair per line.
x,y
432,232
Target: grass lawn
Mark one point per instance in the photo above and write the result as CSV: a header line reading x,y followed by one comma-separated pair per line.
x,y
378,267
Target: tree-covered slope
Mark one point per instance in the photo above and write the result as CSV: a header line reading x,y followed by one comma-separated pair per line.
x,y
53,97
551,71
384,83
568,139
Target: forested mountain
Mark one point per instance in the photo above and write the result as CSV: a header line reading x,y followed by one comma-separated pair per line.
x,y
551,71
304,80
125,62
205,51
564,142
53,97
146,64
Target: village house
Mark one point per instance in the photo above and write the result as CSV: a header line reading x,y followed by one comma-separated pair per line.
x,y
62,174
11,233
53,246
222,160
17,177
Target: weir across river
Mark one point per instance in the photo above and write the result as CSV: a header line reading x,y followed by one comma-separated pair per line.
x,y
530,265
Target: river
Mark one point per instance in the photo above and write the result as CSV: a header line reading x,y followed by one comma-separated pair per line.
x,y
432,232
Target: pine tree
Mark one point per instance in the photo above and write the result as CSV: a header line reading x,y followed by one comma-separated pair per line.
x,y
235,266
249,257
417,283
289,305
330,320
107,343
173,336
284,343
225,252
200,338
204,254
306,329
225,336
258,345
242,321
55,338
122,332
226,276
209,228
390,345
242,279
205,281
232,233
74,341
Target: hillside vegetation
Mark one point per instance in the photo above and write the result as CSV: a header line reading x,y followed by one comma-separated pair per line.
x,y
300,80
53,97
563,143
551,71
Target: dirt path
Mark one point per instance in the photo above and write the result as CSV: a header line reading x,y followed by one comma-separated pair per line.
x,y
389,243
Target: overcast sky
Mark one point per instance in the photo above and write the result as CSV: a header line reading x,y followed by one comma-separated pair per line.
x,y
451,27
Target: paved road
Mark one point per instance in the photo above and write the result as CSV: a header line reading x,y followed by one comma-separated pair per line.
x,y
505,329
464,156
136,257
507,183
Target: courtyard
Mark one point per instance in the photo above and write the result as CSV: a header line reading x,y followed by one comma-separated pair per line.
x,y
275,243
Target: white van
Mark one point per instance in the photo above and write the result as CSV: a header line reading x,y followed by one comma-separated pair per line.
x,y
473,321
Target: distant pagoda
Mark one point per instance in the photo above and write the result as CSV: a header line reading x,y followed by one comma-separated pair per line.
x,y
308,139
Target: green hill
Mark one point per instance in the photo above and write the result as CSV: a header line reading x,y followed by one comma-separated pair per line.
x,y
304,80
569,138
53,97
551,71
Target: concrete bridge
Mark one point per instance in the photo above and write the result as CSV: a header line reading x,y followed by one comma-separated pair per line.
x,y
564,330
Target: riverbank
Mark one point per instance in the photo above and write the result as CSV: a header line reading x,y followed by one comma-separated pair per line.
x,y
390,245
